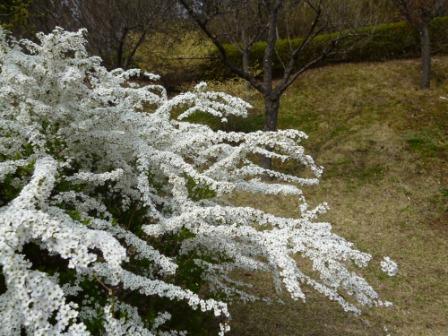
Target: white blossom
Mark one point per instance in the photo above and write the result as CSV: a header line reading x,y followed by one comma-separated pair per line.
x,y
93,139
389,266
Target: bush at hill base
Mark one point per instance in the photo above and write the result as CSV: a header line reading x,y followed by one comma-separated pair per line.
x,y
377,43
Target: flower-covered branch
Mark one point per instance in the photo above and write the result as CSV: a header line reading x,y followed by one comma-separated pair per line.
x,y
96,171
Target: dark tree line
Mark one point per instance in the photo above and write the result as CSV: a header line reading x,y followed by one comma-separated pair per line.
x,y
117,29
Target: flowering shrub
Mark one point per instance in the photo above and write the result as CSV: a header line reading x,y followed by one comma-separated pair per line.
x,y
109,204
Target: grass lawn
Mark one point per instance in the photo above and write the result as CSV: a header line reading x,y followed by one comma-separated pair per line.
x,y
384,145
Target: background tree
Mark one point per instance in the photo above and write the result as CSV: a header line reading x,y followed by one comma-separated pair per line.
x,y
14,14
269,14
351,14
116,28
419,14
273,22
234,27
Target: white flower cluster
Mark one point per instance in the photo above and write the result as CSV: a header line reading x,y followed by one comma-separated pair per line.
x,y
91,142
389,266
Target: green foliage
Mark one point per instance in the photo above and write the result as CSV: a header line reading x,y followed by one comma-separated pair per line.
x,y
98,297
427,143
8,189
444,192
188,275
198,192
377,43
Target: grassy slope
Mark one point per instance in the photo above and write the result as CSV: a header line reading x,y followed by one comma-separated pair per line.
x,y
385,149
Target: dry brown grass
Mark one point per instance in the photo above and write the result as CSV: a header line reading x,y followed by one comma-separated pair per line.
x,y
384,146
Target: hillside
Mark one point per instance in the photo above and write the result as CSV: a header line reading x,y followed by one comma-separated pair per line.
x,y
385,149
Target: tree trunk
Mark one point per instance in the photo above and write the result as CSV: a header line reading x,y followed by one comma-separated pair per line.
x,y
426,57
246,50
120,48
271,108
246,60
137,45
246,63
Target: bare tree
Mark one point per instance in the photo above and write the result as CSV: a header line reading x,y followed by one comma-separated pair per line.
x,y
269,15
233,25
419,14
117,28
361,13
